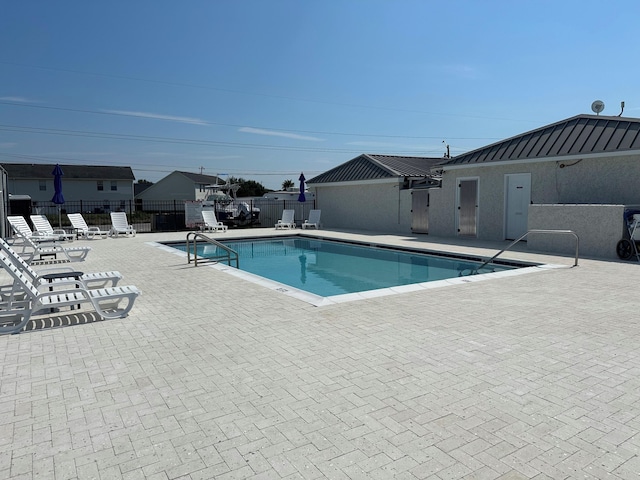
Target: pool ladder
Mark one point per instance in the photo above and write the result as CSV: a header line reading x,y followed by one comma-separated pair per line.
x,y
229,254
522,237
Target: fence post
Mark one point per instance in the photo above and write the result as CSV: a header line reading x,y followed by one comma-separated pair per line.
x,y
175,216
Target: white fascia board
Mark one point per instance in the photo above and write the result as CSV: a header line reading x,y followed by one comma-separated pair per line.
x,y
378,181
563,158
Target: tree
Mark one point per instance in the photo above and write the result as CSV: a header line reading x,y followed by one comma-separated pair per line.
x,y
143,181
248,188
287,184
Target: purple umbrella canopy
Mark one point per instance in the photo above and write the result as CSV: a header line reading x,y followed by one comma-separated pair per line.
x,y
301,197
58,198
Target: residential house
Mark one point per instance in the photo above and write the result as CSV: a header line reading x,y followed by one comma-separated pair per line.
x,y
80,182
178,186
85,187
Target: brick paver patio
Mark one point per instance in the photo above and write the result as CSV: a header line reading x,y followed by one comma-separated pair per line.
x,y
531,376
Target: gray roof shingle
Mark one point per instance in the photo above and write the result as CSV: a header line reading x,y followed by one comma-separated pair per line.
x,y
83,172
373,167
201,178
579,135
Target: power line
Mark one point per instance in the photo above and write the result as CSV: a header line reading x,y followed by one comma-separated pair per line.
x,y
239,92
181,141
204,122
160,169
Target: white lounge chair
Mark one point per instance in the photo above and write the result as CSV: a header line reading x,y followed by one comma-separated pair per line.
x,y
41,224
287,220
211,223
105,301
30,250
79,224
56,276
120,224
21,228
313,220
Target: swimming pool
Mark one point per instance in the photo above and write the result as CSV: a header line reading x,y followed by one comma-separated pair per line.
x,y
327,268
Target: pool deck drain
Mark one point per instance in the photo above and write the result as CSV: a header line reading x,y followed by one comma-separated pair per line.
x,y
210,376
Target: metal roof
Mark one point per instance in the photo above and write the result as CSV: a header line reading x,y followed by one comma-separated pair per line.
x,y
579,135
373,167
83,172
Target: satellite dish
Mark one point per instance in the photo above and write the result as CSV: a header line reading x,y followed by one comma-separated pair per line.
x,y
597,106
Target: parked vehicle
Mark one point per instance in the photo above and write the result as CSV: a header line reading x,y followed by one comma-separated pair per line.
x,y
230,210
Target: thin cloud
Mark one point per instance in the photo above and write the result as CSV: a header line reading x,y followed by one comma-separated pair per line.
x,y
460,70
80,154
189,156
17,99
157,116
403,146
294,136
375,144
7,144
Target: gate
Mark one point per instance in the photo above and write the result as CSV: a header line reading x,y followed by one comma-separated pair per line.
x,y
467,207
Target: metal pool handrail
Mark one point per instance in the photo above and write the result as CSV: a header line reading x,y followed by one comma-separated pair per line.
x,y
563,232
192,237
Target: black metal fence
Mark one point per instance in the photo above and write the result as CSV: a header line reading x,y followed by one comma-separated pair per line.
x,y
151,216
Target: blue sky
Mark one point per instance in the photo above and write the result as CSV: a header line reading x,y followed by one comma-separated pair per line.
x,y
266,89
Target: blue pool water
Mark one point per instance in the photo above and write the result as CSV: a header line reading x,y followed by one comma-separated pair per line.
x,y
328,268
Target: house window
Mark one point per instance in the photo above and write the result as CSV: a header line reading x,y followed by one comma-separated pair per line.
x,y
203,187
114,186
100,185
43,185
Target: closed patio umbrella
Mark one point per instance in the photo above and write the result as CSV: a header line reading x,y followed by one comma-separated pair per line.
x,y
301,197
58,198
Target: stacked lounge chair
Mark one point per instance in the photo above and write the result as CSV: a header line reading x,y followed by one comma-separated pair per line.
x,y
26,299
33,251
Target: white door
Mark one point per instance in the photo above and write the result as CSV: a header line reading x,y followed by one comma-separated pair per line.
x,y
518,198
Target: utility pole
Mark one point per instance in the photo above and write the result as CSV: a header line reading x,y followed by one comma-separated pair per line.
x,y
446,155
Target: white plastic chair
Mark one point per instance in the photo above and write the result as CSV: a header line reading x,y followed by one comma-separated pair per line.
x,y
120,224
51,248
287,220
15,316
41,224
22,229
80,225
59,275
211,223
313,220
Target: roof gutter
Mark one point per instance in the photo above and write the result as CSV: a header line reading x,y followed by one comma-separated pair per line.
x,y
626,153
